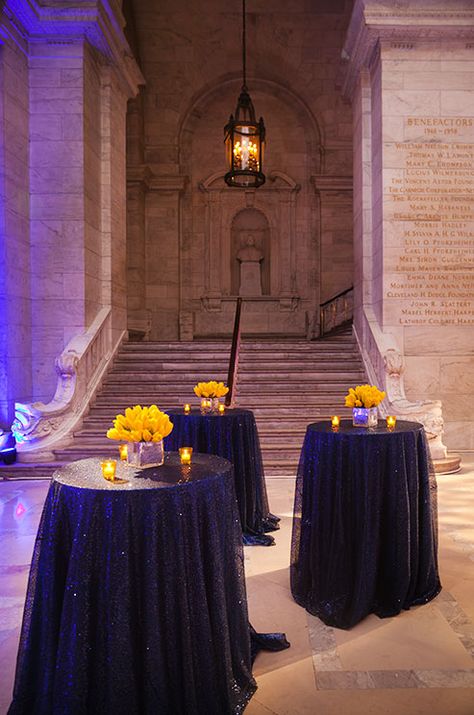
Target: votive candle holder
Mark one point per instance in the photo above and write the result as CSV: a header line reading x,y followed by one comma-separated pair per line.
x,y
335,422
187,408
108,469
185,454
391,422
123,451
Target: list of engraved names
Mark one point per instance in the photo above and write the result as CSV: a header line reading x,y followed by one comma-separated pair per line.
x,y
431,204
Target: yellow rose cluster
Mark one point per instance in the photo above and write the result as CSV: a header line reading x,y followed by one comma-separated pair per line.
x,y
141,424
210,389
364,396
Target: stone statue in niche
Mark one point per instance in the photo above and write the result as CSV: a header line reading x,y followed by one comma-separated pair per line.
x,y
250,258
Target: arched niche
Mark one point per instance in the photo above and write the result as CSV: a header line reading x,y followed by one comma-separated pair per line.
x,y
250,224
281,214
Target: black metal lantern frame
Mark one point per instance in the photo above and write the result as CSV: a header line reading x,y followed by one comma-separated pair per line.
x,y
244,136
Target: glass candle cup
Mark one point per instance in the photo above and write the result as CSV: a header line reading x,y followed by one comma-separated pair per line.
x,y
185,454
187,408
335,422
391,422
108,469
123,451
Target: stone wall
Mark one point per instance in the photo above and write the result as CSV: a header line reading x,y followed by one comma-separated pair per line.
x,y
15,303
410,75
66,75
191,61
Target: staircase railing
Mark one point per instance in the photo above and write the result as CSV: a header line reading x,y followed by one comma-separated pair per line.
x,y
336,311
234,355
39,427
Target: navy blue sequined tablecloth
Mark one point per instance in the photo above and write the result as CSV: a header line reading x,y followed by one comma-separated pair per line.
x,y
136,602
234,436
365,522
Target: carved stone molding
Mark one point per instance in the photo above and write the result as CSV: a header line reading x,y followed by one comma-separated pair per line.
x,y
99,22
405,24
331,184
166,184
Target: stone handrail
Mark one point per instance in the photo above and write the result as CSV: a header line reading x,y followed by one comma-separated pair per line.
x,y
336,311
40,427
385,366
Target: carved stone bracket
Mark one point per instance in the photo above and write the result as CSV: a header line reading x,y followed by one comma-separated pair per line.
x,y
428,412
385,366
39,427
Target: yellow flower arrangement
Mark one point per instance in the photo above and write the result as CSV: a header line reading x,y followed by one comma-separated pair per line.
x,y
364,396
141,424
210,389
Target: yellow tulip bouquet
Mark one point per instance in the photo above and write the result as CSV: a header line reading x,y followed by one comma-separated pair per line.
x,y
210,389
144,428
141,424
364,399
209,392
364,396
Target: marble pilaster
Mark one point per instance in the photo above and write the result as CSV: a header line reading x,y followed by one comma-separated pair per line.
x,y
413,66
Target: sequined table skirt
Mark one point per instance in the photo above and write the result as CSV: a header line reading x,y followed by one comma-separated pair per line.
x,y
136,601
365,525
234,436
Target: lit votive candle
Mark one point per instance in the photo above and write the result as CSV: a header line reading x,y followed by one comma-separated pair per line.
x,y
221,409
185,454
335,422
391,422
108,469
187,408
123,451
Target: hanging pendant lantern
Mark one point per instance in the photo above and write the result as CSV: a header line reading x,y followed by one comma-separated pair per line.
x,y
244,136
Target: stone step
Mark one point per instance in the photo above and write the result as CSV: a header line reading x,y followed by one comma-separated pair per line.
x,y
287,383
250,389
253,352
278,374
245,344
248,397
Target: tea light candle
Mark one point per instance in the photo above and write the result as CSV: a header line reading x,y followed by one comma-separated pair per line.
x,y
221,409
187,408
391,422
123,451
185,454
108,469
335,422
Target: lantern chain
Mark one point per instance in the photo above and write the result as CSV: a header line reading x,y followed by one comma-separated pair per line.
x,y
244,48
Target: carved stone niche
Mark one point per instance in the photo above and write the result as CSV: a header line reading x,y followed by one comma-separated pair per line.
x,y
250,254
269,215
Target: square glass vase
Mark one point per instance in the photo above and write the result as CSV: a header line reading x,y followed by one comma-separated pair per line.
x,y
145,454
364,416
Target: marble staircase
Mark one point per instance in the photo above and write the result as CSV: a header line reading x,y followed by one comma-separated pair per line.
x,y
287,383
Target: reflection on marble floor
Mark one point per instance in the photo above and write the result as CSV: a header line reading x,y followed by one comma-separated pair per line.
x,y
420,662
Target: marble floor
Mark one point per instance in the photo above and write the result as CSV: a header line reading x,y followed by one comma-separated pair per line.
x,y
419,663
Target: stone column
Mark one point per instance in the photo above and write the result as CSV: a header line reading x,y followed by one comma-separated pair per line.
x,y
336,259
138,317
15,302
75,90
415,65
163,255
